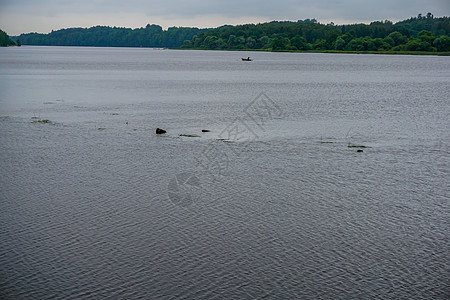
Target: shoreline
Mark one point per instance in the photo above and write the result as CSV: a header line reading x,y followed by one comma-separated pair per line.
x,y
327,51
262,50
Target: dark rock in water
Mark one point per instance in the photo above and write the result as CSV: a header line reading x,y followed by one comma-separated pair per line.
x,y
160,131
360,150
206,130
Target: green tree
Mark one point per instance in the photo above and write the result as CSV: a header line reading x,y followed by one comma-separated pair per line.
x,y
399,48
278,44
250,43
264,42
187,44
388,40
378,44
398,38
339,44
418,45
307,21
426,36
331,37
299,43
358,44
442,43
240,42
5,40
220,44
197,41
231,41
320,44
210,42
347,37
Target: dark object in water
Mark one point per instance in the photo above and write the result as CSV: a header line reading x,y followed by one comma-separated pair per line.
x,y
189,135
246,59
160,131
206,130
359,150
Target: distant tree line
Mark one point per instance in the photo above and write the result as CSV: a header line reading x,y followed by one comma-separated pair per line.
x,y
5,40
421,33
103,36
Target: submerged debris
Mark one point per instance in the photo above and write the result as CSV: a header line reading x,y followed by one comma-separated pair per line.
x,y
189,135
44,121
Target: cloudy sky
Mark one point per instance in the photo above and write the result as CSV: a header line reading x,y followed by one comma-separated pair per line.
x,y
23,16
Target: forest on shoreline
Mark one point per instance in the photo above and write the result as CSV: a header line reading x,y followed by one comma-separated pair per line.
x,y
421,33
424,33
151,36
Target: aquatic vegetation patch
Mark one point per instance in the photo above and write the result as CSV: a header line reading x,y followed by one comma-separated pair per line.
x,y
189,135
43,121
224,140
327,140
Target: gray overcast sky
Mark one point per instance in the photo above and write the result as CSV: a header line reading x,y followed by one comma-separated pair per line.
x,y
23,16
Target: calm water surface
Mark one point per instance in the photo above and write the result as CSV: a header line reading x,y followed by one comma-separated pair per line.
x,y
274,202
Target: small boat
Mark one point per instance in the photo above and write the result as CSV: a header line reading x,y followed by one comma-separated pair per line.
x,y
246,59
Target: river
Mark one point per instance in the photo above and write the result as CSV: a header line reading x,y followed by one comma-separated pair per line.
x,y
293,176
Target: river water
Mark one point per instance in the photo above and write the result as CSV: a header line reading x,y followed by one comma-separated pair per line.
x,y
322,176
